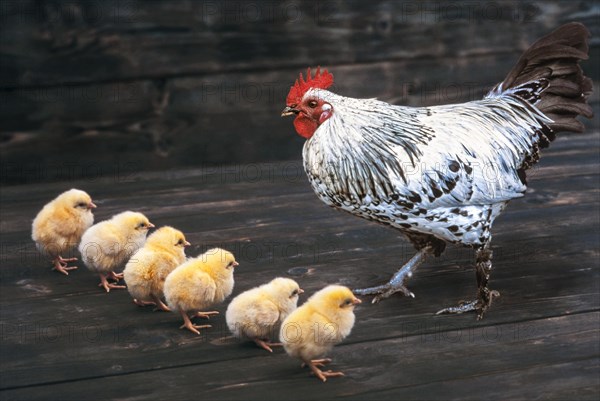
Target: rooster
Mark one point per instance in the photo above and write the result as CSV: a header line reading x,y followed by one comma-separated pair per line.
x,y
441,174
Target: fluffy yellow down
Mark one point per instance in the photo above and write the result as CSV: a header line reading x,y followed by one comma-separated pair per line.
x,y
59,226
109,244
201,282
258,312
148,268
324,320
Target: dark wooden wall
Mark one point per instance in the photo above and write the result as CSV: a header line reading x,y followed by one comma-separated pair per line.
x,y
96,88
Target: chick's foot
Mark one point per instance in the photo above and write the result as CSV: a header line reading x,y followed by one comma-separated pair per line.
x,y
60,265
143,303
187,323
323,375
321,362
108,286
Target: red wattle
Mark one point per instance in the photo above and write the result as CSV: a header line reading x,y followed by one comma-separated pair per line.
x,y
305,127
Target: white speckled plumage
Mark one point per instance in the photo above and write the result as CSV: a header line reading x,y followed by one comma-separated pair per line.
x,y
394,164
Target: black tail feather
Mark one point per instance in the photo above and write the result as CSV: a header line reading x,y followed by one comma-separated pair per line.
x,y
548,76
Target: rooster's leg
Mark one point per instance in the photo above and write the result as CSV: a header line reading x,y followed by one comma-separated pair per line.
x,y
485,296
396,283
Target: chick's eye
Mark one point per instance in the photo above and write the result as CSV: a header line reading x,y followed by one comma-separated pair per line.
x,y
80,204
312,104
180,242
295,292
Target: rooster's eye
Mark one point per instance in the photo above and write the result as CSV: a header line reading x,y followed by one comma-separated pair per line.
x,y
312,104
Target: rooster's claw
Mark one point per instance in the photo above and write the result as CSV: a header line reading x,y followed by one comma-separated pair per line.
x,y
384,291
480,306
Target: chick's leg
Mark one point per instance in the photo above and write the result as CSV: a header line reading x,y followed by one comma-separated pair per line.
x,y
143,303
396,283
266,344
485,296
205,315
187,323
115,276
107,286
160,305
60,265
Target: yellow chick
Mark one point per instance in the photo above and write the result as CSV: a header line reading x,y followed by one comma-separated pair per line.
x,y
58,227
200,283
256,314
324,320
147,269
109,244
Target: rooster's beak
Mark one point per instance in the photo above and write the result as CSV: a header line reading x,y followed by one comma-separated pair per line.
x,y
289,111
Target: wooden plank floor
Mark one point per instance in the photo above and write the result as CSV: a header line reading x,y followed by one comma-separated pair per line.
x,y
63,338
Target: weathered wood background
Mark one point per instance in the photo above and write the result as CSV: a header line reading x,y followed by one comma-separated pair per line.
x,y
92,88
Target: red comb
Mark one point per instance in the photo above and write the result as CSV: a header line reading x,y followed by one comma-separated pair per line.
x,y
321,80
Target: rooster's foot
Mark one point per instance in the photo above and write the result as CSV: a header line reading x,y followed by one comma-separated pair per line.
x,y
479,305
384,291
396,283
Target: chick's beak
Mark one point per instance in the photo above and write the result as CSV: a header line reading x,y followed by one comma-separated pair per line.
x,y
289,111
356,301
91,205
186,243
235,264
150,225
300,291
